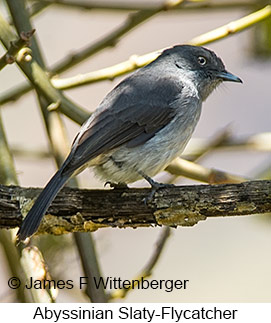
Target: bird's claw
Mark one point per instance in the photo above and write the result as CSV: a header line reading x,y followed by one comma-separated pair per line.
x,y
155,186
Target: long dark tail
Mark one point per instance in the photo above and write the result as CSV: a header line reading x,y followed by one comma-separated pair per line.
x,y
32,221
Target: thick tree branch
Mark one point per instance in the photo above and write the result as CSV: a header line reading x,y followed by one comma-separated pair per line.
x,y
88,210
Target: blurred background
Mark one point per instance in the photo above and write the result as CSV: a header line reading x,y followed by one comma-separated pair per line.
x,y
224,259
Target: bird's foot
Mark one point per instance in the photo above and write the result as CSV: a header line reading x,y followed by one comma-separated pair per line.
x,y
155,186
116,185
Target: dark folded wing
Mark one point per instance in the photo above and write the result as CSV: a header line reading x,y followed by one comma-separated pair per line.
x,y
131,119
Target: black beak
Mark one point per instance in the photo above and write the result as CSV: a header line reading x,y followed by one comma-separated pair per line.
x,y
227,76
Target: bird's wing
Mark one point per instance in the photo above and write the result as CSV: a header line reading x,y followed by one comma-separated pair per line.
x,y
132,119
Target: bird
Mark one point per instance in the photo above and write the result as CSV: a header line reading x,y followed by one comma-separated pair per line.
x,y
140,126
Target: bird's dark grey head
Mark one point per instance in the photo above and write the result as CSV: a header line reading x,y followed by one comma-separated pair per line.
x,y
199,65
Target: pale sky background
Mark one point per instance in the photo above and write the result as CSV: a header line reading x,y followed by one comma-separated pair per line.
x,y
225,259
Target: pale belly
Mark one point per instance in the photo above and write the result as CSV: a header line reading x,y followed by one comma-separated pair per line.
x,y
123,165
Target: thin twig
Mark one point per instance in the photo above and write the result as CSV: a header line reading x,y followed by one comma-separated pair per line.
x,y
30,153
147,5
15,46
112,37
53,123
58,139
108,41
135,61
182,167
7,173
108,73
31,258
8,176
233,27
21,22
13,262
256,142
215,142
148,269
195,149
40,80
195,171
15,93
90,265
84,243
36,7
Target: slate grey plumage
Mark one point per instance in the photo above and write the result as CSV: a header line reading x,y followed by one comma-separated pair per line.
x,y
141,125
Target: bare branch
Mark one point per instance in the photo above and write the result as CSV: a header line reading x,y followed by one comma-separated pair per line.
x,y
148,269
139,61
147,5
88,210
133,20
15,46
134,62
186,168
233,27
89,260
197,146
217,140
109,40
40,80
37,7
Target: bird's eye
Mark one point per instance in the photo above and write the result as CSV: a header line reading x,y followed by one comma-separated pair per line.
x,y
202,60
